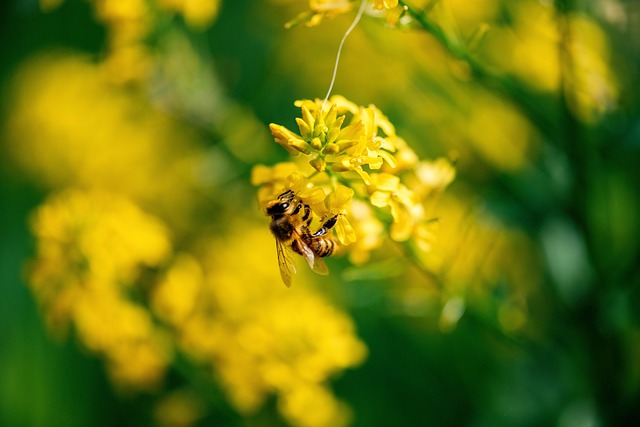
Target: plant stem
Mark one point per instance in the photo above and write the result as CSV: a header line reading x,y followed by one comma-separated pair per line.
x,y
505,86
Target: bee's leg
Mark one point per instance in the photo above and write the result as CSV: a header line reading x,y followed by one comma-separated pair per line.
x,y
295,247
326,226
306,218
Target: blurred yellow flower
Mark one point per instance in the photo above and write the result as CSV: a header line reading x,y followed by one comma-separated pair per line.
x,y
435,175
385,4
91,248
70,127
500,135
387,191
320,9
174,297
197,13
313,406
593,86
223,307
472,254
136,353
261,338
272,180
531,50
180,408
368,230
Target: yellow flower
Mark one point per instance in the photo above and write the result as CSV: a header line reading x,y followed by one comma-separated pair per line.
x,y
384,4
91,248
180,408
313,406
368,139
472,253
405,157
136,352
338,203
174,297
321,134
73,128
369,232
272,180
373,148
101,234
261,339
197,13
356,163
320,9
387,191
434,176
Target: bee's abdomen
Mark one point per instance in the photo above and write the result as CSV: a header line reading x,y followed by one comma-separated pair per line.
x,y
324,247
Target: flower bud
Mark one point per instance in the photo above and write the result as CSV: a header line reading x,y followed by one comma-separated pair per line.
x,y
343,165
316,143
318,164
331,149
299,145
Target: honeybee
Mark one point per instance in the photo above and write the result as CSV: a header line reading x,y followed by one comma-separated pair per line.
x,y
290,222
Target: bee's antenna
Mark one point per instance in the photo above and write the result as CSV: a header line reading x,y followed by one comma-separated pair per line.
x,y
363,5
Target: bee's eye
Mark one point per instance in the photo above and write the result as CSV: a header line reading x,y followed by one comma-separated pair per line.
x,y
278,208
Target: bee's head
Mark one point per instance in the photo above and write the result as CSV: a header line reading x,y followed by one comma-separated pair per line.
x,y
283,205
278,208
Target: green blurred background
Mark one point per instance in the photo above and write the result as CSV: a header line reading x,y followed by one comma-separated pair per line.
x,y
529,311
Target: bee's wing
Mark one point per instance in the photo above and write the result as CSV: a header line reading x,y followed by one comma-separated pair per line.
x,y
287,269
320,267
316,263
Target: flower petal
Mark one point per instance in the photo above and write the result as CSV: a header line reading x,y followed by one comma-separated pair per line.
x,y
340,197
380,199
345,232
386,182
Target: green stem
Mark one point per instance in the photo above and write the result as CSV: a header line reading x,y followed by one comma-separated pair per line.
x,y
457,49
505,86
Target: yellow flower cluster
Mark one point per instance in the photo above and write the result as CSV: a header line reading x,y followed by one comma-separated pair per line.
x,y
473,253
591,84
86,132
483,254
354,153
368,140
92,248
321,9
260,339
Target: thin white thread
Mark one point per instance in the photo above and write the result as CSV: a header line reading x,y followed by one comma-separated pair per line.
x,y
346,34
